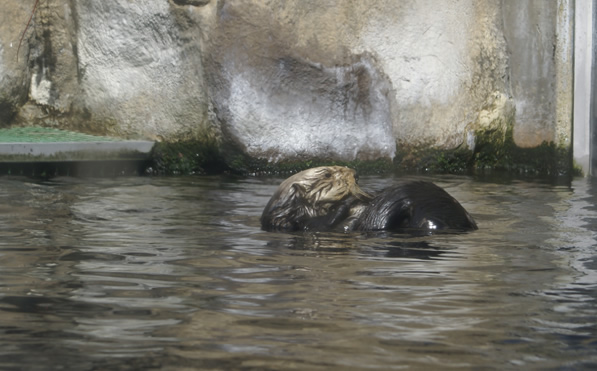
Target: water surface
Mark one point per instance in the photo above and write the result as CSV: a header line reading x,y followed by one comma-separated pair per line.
x,y
175,273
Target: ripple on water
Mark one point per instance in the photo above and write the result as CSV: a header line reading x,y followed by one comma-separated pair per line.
x,y
175,272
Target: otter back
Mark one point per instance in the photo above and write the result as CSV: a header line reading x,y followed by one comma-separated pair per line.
x,y
415,205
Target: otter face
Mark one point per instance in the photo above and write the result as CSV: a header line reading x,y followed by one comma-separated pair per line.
x,y
327,185
310,194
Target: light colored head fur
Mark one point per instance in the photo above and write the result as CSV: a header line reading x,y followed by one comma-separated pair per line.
x,y
309,194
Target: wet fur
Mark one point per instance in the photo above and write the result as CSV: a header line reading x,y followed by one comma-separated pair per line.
x,y
328,197
317,198
414,205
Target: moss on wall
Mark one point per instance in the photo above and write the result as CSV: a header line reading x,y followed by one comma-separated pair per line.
x,y
8,111
246,165
491,153
493,150
195,156
204,156
487,148
545,159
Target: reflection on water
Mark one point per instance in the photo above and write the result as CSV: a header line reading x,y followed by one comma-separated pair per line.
x,y
171,273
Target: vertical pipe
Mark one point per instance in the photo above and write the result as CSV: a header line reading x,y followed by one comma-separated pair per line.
x,y
593,116
564,79
583,56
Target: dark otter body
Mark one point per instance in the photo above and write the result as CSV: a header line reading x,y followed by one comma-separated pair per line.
x,y
416,205
329,197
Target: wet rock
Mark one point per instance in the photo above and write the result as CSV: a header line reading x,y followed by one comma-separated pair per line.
x,y
288,108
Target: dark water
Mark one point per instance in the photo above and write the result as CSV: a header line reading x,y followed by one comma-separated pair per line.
x,y
174,273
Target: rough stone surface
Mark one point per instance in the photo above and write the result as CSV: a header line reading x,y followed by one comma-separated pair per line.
x,y
113,67
13,75
444,62
532,69
142,68
353,82
341,79
289,105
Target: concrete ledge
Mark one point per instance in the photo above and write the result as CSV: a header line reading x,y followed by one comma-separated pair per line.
x,y
47,152
41,144
95,168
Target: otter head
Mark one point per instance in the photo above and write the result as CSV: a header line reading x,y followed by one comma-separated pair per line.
x,y
310,194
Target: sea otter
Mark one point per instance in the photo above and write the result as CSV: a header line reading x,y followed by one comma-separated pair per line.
x,y
317,198
329,197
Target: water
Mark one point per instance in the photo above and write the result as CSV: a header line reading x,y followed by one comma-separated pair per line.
x,y
174,273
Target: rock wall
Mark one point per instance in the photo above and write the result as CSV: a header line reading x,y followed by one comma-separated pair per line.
x,y
13,75
280,80
530,33
114,67
281,89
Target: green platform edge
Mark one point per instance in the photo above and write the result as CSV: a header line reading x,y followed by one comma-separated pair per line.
x,y
40,144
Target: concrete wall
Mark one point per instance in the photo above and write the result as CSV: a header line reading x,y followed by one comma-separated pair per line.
x,y
530,33
343,79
